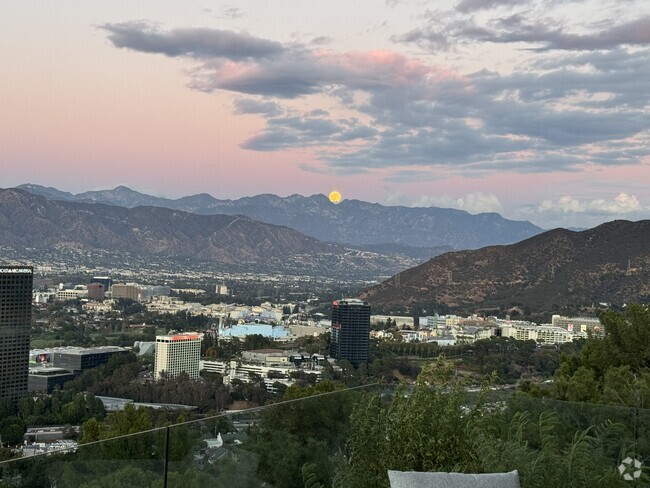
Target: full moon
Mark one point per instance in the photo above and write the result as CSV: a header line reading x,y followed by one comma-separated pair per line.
x,y
335,197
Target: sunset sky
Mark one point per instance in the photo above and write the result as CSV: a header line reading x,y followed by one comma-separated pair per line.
x,y
538,110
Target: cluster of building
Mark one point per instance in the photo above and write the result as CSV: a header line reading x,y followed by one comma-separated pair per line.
x,y
181,353
263,313
270,366
22,372
446,330
41,371
100,288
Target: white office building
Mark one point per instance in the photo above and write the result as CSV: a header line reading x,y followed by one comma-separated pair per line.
x,y
578,324
177,353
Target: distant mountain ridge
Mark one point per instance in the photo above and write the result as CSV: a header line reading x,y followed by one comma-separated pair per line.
x,y
352,222
29,221
551,270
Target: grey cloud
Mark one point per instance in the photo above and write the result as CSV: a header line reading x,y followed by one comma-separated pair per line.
x,y
363,132
516,29
430,37
267,67
320,40
566,128
305,131
311,168
410,176
472,5
300,72
626,81
423,123
284,77
250,106
271,141
233,12
636,32
428,147
542,33
539,118
318,112
195,42
309,126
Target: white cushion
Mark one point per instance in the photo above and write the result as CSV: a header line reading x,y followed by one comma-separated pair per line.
x,y
414,479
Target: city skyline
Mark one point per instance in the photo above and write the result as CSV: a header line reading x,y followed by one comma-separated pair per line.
x,y
537,110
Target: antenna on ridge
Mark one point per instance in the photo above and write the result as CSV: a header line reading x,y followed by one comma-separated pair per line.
x,y
552,271
628,271
398,279
450,279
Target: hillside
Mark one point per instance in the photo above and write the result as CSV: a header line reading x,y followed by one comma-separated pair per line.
x,y
548,271
33,222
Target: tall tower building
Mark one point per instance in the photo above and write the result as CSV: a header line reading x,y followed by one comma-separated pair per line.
x,y
16,283
96,291
178,353
350,331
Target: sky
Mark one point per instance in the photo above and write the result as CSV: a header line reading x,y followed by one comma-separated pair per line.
x,y
536,109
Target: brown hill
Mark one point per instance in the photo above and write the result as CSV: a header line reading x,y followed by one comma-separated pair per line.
x,y
32,221
554,269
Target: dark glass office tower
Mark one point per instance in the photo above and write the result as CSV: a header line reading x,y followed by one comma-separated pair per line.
x,y
350,331
16,284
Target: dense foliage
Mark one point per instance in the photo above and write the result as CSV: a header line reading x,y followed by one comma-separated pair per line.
x,y
438,426
614,370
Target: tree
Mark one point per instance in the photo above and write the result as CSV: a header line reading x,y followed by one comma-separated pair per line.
x,y
12,430
426,430
310,476
437,427
614,369
307,431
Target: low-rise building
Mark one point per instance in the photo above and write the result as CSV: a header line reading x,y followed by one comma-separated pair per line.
x,y
267,367
142,348
266,356
40,448
444,340
399,321
98,307
578,324
44,379
77,359
470,334
415,335
72,293
544,334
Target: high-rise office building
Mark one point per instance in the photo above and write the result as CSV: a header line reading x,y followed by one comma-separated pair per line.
x,y
16,283
178,353
96,291
130,291
107,281
350,331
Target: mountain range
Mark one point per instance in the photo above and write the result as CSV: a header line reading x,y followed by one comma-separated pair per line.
x,y
417,231
553,269
609,263
33,222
